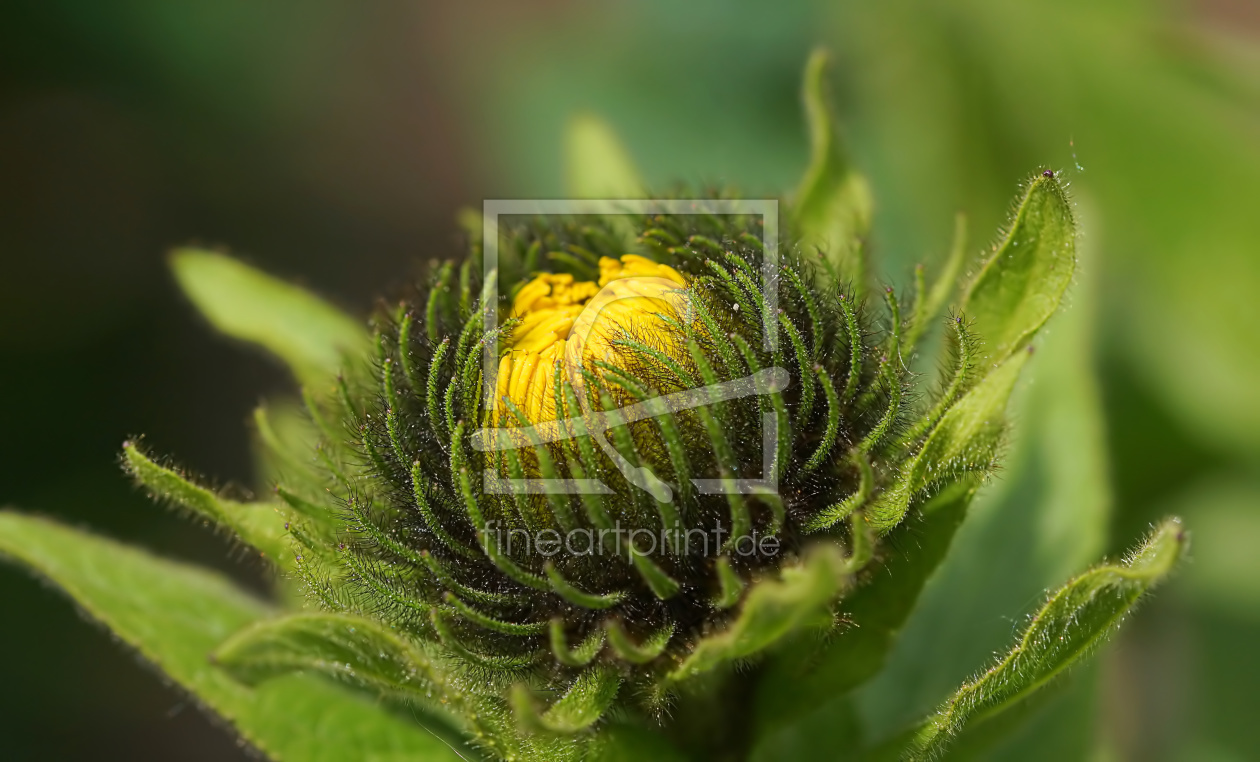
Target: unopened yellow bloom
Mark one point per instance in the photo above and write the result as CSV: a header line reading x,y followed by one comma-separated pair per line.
x,y
576,322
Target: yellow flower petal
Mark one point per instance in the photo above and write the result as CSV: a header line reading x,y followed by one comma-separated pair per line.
x,y
578,322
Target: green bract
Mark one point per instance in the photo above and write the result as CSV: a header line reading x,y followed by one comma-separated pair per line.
x,y
395,574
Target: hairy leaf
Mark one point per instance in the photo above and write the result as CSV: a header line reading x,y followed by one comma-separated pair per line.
x,y
585,702
289,449
801,699
771,610
260,525
341,646
1022,284
1042,521
965,442
175,615
309,334
1076,620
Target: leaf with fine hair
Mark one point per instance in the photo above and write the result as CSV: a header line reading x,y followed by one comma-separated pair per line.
x,y
258,524
344,647
801,700
584,703
964,443
175,615
288,447
353,650
832,205
310,335
1078,618
772,609
1022,284
1043,521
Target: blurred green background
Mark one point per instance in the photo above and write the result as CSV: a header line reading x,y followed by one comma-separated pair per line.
x,y
333,142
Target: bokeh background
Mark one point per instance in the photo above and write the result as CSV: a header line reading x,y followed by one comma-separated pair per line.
x,y
333,142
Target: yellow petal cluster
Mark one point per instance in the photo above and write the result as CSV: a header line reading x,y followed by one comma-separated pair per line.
x,y
574,322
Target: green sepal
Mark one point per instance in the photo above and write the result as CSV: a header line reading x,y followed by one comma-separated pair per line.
x,y
344,647
637,653
581,654
1078,618
262,525
829,517
832,205
581,706
730,586
576,596
772,609
1022,284
319,514
965,442
494,624
662,585
804,691
310,335
453,643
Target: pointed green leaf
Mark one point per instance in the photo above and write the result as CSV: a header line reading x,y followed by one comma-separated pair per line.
x,y
290,452
1043,520
802,695
577,597
772,609
622,644
581,706
967,438
344,647
964,442
1022,284
598,165
832,206
1076,620
581,654
309,334
258,524
175,615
